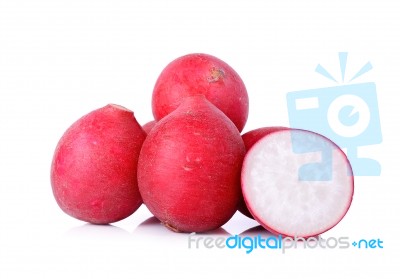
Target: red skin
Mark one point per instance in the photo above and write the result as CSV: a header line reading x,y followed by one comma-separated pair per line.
x,y
249,139
194,74
94,168
148,126
189,168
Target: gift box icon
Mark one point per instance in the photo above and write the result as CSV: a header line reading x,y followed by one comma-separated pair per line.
x,y
346,114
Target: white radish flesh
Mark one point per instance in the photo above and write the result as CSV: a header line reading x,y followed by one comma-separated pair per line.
x,y
297,183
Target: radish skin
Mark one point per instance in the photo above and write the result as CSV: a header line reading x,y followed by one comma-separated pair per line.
x,y
205,74
94,168
189,167
148,126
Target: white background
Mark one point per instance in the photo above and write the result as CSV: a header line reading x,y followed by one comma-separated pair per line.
x,y
60,59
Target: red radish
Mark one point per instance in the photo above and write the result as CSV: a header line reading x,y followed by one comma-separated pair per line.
x,y
249,139
198,73
94,168
297,183
148,126
189,167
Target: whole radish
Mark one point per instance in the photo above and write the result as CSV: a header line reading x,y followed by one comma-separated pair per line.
x,y
94,168
249,139
189,167
199,73
297,183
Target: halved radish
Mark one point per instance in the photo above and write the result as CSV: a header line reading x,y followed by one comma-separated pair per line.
x,y
297,183
249,139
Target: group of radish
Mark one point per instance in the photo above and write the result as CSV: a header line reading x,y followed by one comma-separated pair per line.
x,y
191,166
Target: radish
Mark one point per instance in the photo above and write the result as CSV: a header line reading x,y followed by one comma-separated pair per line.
x,y
249,139
189,167
198,73
94,168
297,183
148,126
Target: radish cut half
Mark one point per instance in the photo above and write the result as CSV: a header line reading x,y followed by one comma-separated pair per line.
x,y
297,183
